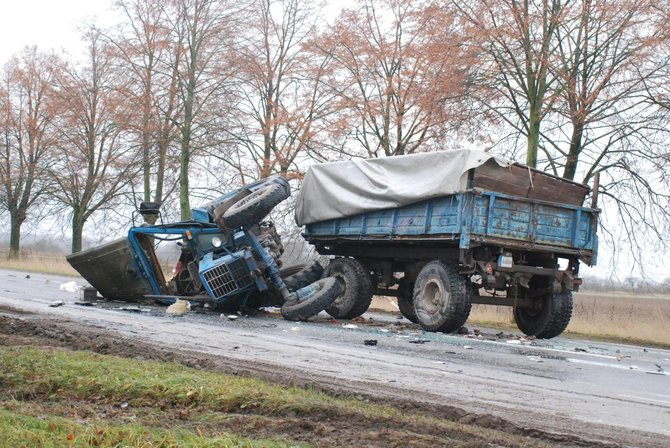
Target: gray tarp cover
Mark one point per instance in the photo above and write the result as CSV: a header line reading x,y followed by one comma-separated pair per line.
x,y
338,189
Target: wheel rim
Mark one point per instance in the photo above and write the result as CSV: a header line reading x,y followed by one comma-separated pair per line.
x,y
343,287
433,296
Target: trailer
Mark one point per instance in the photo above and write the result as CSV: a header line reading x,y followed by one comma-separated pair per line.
x,y
441,231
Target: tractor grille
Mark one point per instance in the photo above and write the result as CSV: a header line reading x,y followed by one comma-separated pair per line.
x,y
228,278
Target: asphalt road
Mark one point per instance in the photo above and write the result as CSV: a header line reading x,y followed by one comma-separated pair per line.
x,y
597,391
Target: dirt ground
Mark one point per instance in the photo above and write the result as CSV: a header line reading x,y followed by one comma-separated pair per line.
x,y
331,429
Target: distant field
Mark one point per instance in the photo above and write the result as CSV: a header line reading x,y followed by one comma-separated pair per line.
x,y
43,263
617,316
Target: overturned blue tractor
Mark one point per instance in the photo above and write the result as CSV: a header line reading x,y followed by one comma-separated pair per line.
x,y
229,257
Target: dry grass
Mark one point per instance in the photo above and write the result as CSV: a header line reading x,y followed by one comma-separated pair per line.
x,y
43,263
614,316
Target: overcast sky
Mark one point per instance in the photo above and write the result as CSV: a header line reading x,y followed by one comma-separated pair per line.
x,y
47,24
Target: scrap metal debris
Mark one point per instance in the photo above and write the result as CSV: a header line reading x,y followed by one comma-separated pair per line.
x,y
370,342
56,303
419,341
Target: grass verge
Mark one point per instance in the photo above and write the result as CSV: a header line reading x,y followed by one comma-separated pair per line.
x,y
55,397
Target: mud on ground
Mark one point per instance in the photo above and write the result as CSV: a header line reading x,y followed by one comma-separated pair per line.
x,y
329,429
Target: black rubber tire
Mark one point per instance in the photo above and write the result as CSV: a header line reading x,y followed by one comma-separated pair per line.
x,y
406,300
300,310
549,320
303,277
254,207
356,286
441,298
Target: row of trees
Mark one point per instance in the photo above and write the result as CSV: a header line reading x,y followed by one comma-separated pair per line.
x,y
187,97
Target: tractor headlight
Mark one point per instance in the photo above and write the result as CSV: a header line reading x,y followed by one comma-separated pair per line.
x,y
216,241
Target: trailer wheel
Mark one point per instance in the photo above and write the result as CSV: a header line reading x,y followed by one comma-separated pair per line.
x,y
549,319
356,287
253,208
328,290
441,298
406,300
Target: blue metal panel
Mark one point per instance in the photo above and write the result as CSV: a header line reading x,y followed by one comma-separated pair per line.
x,y
474,216
445,216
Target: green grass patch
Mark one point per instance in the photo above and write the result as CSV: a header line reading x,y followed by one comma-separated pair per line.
x,y
19,430
56,397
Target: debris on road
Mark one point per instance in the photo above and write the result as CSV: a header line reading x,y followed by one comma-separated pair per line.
x,y
350,326
56,303
230,316
467,347
178,308
84,303
580,349
418,341
370,342
130,309
69,286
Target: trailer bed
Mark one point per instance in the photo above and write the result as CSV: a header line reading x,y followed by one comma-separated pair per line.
x,y
465,220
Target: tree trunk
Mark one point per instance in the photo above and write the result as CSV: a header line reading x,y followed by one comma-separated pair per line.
x,y
15,237
533,138
77,232
573,153
184,204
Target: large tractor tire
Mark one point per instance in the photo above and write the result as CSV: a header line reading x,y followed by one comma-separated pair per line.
x,y
548,319
441,297
356,287
299,276
253,208
327,290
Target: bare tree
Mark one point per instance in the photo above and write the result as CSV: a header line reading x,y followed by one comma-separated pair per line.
x,y
142,45
203,31
398,70
517,40
28,141
95,162
282,103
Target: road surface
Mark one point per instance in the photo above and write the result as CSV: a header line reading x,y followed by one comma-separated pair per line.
x,y
594,391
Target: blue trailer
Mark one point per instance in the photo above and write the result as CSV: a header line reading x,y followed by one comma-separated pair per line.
x,y
509,236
